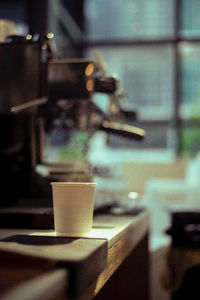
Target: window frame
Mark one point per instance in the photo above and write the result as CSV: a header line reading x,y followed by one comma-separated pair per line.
x,y
176,121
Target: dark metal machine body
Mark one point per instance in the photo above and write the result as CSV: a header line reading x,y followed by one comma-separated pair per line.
x,y
21,92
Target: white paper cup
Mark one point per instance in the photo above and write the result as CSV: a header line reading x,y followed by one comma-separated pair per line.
x,y
73,205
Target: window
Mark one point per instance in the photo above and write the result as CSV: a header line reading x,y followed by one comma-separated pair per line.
x,y
129,19
146,77
154,47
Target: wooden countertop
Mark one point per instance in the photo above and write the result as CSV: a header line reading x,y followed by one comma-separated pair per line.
x,y
85,263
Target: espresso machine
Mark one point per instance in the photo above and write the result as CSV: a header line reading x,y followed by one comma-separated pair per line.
x,y
37,93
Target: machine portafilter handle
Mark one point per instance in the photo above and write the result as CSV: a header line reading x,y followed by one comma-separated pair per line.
x,y
105,84
124,130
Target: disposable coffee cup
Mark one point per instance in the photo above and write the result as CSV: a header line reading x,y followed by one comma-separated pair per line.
x,y
73,206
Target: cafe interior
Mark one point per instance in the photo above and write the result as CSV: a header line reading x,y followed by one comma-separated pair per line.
x,y
104,92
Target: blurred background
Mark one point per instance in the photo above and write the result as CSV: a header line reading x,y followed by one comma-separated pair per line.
x,y
153,47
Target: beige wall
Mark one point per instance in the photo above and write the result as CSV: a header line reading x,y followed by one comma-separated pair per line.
x,y
7,27
137,173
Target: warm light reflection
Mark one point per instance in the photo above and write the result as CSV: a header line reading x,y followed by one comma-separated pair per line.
x,y
89,69
50,35
100,230
89,85
29,37
133,195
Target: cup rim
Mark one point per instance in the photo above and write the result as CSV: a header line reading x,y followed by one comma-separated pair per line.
x,y
73,183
